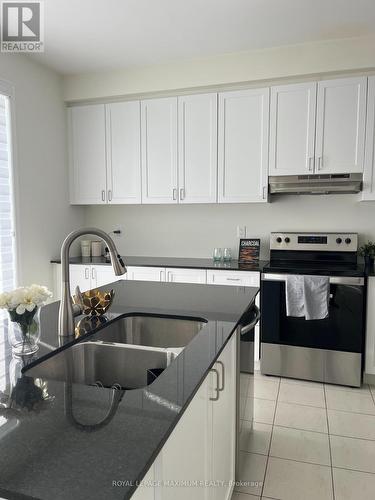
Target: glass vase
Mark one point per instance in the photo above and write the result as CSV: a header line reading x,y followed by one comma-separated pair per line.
x,y
24,336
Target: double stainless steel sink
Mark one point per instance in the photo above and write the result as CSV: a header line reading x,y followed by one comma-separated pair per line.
x,y
121,354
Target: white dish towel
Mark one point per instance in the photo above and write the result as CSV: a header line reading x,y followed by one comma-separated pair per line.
x,y
295,301
307,296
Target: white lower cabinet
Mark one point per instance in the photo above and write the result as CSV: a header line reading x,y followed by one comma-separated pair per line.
x,y
80,276
201,449
179,275
233,278
145,273
370,327
101,275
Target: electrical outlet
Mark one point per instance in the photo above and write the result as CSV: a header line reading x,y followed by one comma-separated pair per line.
x,y
118,231
241,231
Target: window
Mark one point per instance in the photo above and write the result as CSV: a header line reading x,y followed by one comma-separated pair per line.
x,y
7,229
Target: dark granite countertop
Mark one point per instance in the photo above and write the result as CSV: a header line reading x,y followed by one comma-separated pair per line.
x,y
44,455
192,263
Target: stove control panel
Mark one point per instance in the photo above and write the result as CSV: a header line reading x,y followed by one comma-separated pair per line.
x,y
329,242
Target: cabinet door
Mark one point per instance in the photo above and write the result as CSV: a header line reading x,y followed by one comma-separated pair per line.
x,y
145,273
102,275
224,425
368,192
87,154
243,145
370,327
123,120
80,275
159,150
176,275
197,116
187,453
340,125
292,129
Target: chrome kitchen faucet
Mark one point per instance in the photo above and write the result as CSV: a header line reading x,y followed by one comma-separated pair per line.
x,y
68,310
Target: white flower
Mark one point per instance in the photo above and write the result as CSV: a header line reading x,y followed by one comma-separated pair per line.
x,y
20,309
25,298
4,300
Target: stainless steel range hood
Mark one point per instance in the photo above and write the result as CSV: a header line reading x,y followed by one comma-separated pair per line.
x,y
315,184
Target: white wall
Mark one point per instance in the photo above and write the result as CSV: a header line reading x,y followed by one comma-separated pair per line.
x,y
349,54
194,230
44,214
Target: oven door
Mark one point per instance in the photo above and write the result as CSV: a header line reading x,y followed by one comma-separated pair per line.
x,y
342,330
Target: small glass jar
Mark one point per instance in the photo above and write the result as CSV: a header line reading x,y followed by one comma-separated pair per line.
x,y
86,248
218,254
227,255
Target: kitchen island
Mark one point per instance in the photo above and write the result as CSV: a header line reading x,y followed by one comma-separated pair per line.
x,y
45,454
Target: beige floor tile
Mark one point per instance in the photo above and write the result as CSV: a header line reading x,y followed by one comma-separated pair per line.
x,y
351,485
305,383
255,438
251,471
244,383
303,417
244,496
302,394
350,424
354,390
289,480
266,389
243,402
304,446
350,453
264,411
348,401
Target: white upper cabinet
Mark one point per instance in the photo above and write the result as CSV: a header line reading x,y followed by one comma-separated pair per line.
x,y
123,121
369,173
197,143
292,129
87,154
159,150
340,125
243,146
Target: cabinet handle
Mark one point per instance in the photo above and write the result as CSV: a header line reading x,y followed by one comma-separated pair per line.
x,y
233,279
174,193
93,273
215,398
162,275
103,195
109,195
265,191
87,273
182,193
311,163
320,162
169,277
222,375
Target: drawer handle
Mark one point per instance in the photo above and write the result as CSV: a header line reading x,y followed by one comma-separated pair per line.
x,y
103,195
216,398
222,375
233,279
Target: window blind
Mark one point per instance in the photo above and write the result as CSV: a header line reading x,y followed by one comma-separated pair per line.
x,y
7,246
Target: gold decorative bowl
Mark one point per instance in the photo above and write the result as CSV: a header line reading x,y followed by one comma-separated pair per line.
x,y
94,302
89,323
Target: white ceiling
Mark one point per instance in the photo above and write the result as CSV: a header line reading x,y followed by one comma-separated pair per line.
x,y
99,35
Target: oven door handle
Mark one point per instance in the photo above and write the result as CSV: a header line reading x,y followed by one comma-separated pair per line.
x,y
333,280
245,329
